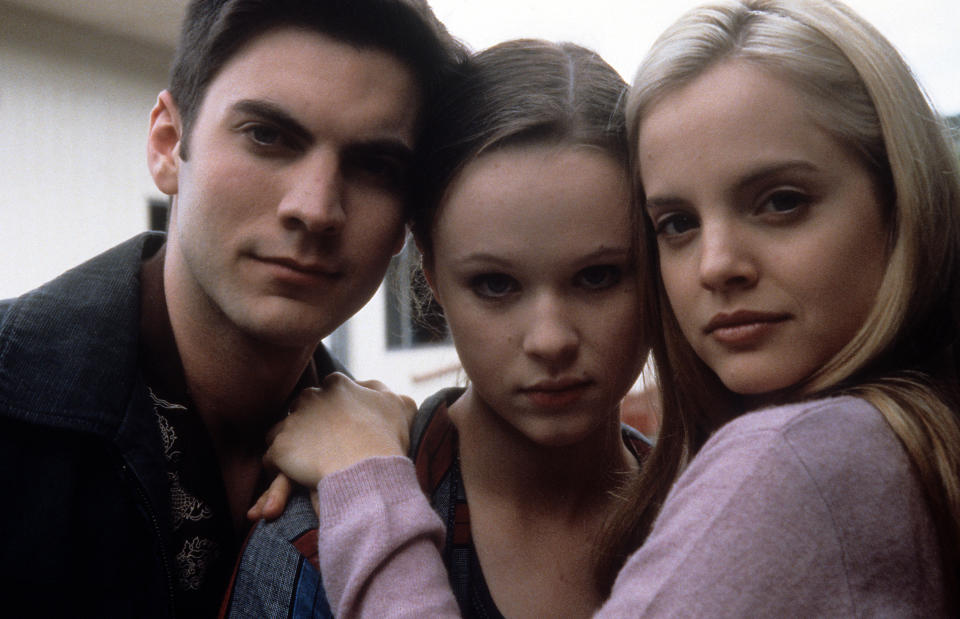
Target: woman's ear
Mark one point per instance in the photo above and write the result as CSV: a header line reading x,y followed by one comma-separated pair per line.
x,y
426,264
163,144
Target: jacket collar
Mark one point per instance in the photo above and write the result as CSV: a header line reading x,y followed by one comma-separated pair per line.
x,y
68,350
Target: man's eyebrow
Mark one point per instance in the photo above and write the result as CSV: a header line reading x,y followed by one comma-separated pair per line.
x,y
275,115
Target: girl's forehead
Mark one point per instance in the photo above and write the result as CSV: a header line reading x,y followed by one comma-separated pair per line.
x,y
535,198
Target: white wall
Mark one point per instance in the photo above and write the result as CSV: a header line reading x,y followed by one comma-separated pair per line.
x,y
74,105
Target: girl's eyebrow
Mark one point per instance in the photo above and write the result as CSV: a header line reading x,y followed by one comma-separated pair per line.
x,y
752,177
604,252
773,169
666,201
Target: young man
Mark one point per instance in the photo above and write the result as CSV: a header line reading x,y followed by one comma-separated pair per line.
x,y
137,389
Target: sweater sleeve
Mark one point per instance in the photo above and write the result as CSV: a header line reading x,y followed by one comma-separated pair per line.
x,y
804,511
737,536
720,546
379,544
790,512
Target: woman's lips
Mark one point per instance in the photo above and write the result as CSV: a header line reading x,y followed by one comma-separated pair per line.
x,y
556,393
744,328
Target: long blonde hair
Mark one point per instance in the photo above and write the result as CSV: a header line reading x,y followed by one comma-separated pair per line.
x,y
904,358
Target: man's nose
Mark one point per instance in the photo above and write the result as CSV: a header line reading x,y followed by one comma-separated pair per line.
x,y
314,199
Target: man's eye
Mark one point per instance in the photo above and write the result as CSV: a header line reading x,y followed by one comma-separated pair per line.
x,y
386,171
264,135
599,277
493,285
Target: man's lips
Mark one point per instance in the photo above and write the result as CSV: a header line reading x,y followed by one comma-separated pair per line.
x,y
304,267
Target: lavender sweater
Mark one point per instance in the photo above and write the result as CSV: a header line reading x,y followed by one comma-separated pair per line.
x,y
804,510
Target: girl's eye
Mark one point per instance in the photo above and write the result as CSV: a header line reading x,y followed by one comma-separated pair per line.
x,y
674,224
493,285
599,277
784,202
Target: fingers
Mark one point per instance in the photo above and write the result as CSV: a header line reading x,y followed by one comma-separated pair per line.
x,y
334,378
278,494
315,501
255,513
328,429
273,501
376,385
411,408
337,425
338,380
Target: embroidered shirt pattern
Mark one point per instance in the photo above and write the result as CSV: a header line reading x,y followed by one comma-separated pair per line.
x,y
196,553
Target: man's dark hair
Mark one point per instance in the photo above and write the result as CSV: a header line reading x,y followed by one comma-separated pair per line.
x,y
214,30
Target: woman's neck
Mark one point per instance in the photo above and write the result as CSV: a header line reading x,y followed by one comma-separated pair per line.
x,y
501,464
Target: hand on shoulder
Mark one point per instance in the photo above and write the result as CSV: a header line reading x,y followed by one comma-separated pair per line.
x,y
337,425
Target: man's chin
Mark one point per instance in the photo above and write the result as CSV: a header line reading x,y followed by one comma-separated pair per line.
x,y
287,325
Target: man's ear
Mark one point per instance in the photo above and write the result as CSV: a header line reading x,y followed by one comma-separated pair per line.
x,y
163,143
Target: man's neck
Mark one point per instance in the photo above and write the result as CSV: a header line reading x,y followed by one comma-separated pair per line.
x,y
238,386
238,389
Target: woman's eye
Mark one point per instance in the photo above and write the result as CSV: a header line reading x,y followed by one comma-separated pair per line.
x,y
675,224
784,202
493,285
599,277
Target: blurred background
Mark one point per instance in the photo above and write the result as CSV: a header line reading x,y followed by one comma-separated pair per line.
x,y
78,79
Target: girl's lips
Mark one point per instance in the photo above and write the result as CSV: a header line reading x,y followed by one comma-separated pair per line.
x,y
743,336
551,394
743,329
741,318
